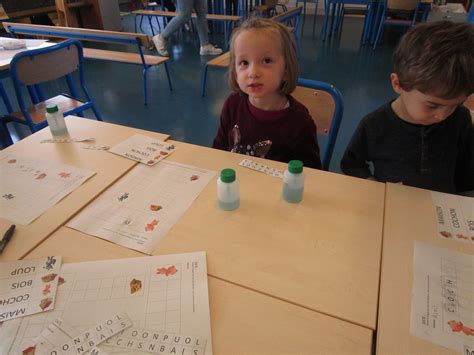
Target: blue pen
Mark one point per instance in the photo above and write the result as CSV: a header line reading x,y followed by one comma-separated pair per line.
x,y
6,237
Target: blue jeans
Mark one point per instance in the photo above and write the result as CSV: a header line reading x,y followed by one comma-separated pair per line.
x,y
185,7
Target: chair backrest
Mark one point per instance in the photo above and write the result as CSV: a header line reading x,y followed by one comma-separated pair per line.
x,y
408,5
45,64
33,68
325,105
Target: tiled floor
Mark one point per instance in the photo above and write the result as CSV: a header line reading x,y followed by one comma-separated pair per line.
x,y
361,74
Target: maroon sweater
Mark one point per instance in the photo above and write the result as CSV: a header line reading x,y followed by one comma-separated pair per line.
x,y
291,131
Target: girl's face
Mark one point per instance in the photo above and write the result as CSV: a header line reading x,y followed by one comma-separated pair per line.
x,y
260,68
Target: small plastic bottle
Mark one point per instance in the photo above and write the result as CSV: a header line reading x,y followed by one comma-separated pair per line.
x,y
56,121
293,182
228,190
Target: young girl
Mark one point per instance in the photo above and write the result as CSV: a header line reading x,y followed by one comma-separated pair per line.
x,y
261,118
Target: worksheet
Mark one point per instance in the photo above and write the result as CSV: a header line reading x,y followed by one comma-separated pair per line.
x,y
442,307
138,210
143,149
28,286
6,55
165,298
454,216
29,186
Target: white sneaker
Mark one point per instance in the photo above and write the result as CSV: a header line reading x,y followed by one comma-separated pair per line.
x,y
160,46
209,49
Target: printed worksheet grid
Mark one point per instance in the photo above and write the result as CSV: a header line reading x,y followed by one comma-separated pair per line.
x,y
164,301
457,286
104,288
33,189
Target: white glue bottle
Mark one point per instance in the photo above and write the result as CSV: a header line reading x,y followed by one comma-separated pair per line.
x,y
293,182
228,195
56,121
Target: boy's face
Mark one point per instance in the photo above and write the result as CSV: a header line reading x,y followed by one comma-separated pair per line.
x,y
416,107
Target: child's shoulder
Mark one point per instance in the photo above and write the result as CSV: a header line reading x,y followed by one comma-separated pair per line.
x,y
379,116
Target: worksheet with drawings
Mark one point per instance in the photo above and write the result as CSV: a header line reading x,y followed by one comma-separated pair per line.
x,y
442,309
167,294
30,186
138,210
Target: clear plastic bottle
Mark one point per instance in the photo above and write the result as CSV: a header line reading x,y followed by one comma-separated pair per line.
x,y
56,121
293,182
228,194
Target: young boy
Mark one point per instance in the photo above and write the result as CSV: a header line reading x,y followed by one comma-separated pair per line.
x,y
424,137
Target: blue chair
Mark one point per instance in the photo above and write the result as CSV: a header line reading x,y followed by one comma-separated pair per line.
x,y
334,15
326,106
387,9
34,69
148,5
316,3
292,19
5,138
470,14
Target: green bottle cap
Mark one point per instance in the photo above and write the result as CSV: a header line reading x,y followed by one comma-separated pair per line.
x,y
228,175
52,108
295,166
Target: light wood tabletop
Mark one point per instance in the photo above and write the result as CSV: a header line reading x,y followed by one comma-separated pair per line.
x,y
322,254
242,321
409,217
108,167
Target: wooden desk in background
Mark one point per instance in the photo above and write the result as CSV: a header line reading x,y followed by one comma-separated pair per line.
x,y
108,167
409,216
323,254
242,320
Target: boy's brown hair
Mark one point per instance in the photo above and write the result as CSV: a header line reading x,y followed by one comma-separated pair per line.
x,y
258,24
437,58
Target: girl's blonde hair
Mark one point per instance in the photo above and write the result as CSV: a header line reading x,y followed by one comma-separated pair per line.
x,y
262,25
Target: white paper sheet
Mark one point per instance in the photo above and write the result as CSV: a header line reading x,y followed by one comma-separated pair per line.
x,y
162,293
142,206
30,186
442,308
143,149
454,216
28,286
7,55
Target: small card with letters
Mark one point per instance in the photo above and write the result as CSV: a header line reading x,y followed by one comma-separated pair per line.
x,y
67,140
28,286
247,163
143,149
60,338
454,216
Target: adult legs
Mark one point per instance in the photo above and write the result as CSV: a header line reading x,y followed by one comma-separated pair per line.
x,y
185,7
200,6
201,11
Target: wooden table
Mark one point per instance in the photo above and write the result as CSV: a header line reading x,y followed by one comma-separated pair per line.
x,y
322,254
108,167
242,321
409,216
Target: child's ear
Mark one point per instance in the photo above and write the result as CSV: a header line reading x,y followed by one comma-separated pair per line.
x,y
395,83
